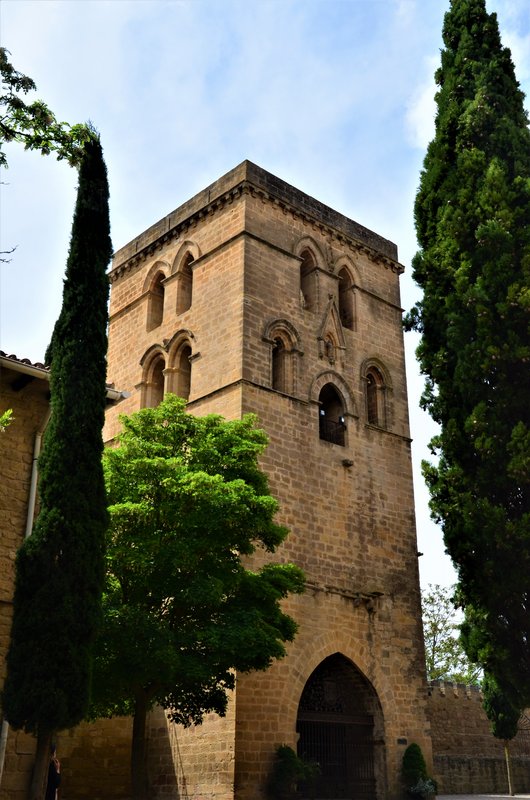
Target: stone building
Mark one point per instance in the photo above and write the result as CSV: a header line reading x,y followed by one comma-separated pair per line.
x,y
25,389
254,297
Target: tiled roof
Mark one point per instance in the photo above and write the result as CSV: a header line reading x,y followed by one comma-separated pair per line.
x,y
15,362
38,370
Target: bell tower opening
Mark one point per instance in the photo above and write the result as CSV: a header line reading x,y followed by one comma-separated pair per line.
x,y
331,415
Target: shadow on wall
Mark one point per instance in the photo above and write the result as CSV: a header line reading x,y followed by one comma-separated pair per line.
x,y
95,760
167,780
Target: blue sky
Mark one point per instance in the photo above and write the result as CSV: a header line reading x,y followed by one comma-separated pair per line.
x,y
333,96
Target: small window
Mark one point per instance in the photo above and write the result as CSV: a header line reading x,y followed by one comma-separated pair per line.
x,y
331,416
155,302
185,284
184,372
279,365
375,397
308,281
345,299
155,393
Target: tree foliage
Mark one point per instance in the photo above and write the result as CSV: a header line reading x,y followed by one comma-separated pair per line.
x,y
5,419
445,656
60,567
188,505
503,715
472,211
33,124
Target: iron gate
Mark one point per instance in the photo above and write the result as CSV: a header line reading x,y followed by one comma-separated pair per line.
x,y
344,750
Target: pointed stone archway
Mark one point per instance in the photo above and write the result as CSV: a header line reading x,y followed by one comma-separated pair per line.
x,y
340,726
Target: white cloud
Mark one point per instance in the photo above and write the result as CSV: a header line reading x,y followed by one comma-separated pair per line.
x,y
421,109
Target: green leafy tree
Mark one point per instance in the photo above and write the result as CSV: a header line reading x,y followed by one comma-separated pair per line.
x,y
472,211
33,124
60,567
5,419
445,656
188,505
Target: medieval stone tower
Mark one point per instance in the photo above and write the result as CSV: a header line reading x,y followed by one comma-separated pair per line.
x,y
253,296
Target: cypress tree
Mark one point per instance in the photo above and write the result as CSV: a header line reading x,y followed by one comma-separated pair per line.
x,y
472,216
60,567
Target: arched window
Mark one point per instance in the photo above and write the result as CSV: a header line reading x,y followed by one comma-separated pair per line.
x,y
185,284
285,348
155,302
331,415
183,371
346,311
155,382
279,365
375,397
308,280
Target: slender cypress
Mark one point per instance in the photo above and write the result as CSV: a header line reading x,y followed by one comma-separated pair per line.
x,y
60,567
473,225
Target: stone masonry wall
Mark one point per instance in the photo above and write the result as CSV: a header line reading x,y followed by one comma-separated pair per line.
x,y
467,757
95,762
30,406
95,758
352,527
29,402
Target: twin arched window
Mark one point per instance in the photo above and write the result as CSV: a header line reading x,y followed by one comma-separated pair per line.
x,y
308,289
156,291
163,372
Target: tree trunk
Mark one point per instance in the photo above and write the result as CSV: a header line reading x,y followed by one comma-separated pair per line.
x,y
138,751
508,767
41,765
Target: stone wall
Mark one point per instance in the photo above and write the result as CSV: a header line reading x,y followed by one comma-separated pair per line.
x,y
29,401
27,396
467,757
95,762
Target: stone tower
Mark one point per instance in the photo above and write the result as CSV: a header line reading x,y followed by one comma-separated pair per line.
x,y
253,296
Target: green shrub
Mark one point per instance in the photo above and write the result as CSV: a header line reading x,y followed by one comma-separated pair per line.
x,y
416,781
413,766
287,771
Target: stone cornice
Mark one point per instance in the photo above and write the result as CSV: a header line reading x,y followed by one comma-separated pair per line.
x,y
249,179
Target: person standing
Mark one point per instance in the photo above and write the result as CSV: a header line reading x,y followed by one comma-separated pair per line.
x,y
54,775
